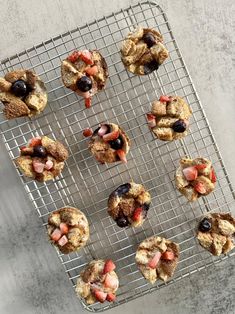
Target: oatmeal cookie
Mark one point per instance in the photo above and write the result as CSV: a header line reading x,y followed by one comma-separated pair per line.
x,y
42,159
169,118
143,51
22,93
128,204
68,229
85,72
157,258
98,282
195,178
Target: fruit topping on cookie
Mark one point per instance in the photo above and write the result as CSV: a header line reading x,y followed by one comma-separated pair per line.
x,y
150,67
122,222
122,155
56,235
92,70
108,266
88,102
151,120
149,39
87,132
165,98
100,296
35,141
74,56
86,56
205,225
84,84
190,173
64,228
200,188
116,144
111,136
137,214
19,88
213,176
122,189
111,297
39,151
110,281
168,256
179,126
38,166
63,240
154,261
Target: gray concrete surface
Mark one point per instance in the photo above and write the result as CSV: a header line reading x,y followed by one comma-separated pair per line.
x,y
31,279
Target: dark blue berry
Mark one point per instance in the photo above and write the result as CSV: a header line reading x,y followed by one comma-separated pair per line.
x,y
84,84
179,126
19,88
122,189
205,225
150,67
122,222
146,206
39,151
149,39
116,144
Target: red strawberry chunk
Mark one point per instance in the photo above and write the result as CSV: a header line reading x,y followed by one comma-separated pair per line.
x,y
200,188
38,166
111,297
213,176
26,150
108,266
62,241
100,295
86,56
49,164
151,120
154,261
111,136
110,282
164,98
190,173
88,102
74,56
35,141
137,214
64,228
92,70
56,235
122,155
87,132
200,167
168,256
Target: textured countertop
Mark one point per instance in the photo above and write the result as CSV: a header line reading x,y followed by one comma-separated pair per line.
x,y
32,279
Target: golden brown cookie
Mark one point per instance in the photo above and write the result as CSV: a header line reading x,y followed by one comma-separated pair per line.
x,y
128,204
68,229
109,143
42,159
169,118
143,51
98,282
195,178
157,258
85,72
22,93
216,232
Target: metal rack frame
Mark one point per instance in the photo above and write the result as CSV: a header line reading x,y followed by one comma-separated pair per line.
x,y
86,184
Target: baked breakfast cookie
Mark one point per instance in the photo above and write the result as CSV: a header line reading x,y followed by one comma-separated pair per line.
x,y
98,282
143,51
42,159
216,232
195,178
109,143
128,204
68,229
169,118
157,258
85,72
22,93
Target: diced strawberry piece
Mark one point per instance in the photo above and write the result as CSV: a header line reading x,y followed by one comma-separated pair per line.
x,y
23,147
137,214
190,173
87,132
213,176
100,295
200,167
62,241
88,102
168,256
26,150
154,261
35,141
108,266
111,136
38,166
111,297
74,56
110,282
64,228
86,57
56,235
164,98
92,70
200,188
151,120
122,155
49,164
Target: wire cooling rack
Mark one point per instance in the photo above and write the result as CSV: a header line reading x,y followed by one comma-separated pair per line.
x,y
85,183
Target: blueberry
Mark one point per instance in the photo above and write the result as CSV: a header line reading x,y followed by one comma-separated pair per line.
x,y
149,39
19,88
150,67
146,206
179,126
205,225
39,151
116,144
122,189
122,222
84,84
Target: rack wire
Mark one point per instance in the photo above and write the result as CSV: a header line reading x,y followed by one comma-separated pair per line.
x,y
86,184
